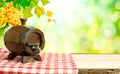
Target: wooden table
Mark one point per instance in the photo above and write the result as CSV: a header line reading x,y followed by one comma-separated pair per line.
x,y
94,63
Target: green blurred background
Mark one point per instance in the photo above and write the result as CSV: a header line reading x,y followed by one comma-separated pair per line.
x,y
82,26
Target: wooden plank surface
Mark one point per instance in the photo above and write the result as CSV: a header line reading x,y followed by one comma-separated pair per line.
x,y
97,61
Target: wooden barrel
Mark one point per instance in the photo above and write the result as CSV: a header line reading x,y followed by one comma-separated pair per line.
x,y
24,41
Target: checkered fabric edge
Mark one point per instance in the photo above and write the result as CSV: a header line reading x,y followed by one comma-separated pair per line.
x,y
52,63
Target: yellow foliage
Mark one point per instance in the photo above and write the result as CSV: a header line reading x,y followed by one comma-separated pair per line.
x,y
39,10
49,20
49,13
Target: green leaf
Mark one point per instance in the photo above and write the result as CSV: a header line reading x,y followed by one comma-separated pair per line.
x,y
45,2
3,0
18,7
27,12
39,11
9,0
3,28
2,3
24,3
34,3
17,2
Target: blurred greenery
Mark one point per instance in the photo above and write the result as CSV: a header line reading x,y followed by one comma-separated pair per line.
x,y
82,26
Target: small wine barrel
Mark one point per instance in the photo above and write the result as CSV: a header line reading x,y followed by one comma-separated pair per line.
x,y
24,41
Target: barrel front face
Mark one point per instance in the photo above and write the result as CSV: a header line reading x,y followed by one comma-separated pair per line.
x,y
34,41
24,41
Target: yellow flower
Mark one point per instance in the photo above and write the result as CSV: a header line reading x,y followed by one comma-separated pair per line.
x,y
49,13
49,20
10,15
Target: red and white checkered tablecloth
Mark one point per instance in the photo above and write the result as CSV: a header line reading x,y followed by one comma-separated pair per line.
x,y
52,63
